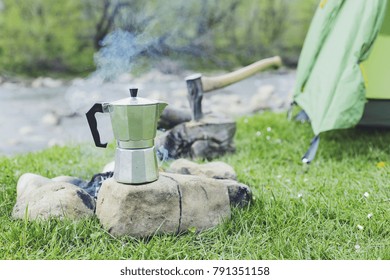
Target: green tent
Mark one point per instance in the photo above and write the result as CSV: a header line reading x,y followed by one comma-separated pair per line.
x,y
343,74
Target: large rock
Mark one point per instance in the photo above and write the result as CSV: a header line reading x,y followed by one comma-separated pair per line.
x,y
214,169
172,204
204,202
139,210
42,198
240,195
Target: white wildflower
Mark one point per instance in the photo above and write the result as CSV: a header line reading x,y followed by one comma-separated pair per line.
x,y
268,138
258,133
369,216
366,194
269,129
300,195
357,246
360,227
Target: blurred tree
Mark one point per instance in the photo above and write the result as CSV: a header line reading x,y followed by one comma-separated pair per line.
x,y
107,14
261,28
156,29
216,33
63,35
44,34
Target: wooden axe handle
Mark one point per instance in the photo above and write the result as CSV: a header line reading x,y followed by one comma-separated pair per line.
x,y
212,83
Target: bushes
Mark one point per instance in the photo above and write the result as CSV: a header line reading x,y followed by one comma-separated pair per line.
x,y
258,29
41,35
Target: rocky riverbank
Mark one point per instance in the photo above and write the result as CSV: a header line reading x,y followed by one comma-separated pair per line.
x,y
43,112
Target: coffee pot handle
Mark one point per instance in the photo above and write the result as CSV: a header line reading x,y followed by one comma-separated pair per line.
x,y
96,108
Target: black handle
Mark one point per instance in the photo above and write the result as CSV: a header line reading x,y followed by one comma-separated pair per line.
x,y
96,108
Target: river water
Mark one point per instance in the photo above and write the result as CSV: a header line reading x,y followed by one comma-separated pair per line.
x,y
34,117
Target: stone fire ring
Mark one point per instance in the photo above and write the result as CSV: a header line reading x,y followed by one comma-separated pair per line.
x,y
187,196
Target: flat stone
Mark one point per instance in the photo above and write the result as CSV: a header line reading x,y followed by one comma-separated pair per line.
x,y
139,210
204,202
214,169
42,198
172,204
240,195
28,183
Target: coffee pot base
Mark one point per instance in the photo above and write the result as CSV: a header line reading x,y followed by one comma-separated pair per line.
x,y
135,166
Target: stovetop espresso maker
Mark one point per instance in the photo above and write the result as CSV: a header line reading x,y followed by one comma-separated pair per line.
x,y
134,123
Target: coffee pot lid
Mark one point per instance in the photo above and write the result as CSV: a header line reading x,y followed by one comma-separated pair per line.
x,y
134,100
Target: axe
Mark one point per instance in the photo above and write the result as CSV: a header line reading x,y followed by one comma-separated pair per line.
x,y
197,84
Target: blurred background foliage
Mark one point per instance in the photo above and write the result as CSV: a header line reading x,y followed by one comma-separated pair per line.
x,y
45,36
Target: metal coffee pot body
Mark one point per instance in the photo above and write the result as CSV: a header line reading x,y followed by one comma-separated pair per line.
x,y
134,123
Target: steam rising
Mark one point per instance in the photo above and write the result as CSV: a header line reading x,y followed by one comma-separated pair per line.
x,y
116,57
154,35
118,51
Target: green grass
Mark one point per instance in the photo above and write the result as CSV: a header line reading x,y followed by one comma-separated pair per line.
x,y
297,212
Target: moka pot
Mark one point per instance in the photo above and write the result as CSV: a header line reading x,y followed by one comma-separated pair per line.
x,y
134,123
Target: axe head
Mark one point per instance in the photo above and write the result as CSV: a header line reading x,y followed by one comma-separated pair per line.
x,y
195,95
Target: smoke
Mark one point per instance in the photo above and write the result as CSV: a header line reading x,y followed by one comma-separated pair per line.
x,y
143,35
117,55
154,36
162,154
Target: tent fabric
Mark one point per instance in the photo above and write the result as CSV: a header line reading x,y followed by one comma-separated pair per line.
x,y
329,86
376,70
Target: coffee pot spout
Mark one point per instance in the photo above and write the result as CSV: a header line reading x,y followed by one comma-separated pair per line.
x,y
160,108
